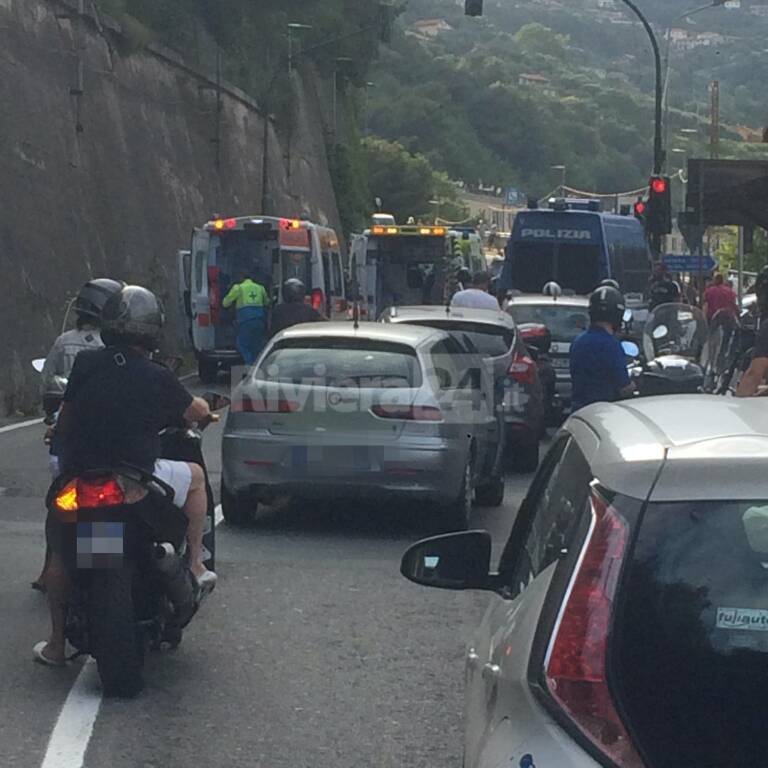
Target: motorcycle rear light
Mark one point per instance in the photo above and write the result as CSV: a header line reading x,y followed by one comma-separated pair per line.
x,y
247,404
522,369
408,412
204,320
317,299
86,493
575,667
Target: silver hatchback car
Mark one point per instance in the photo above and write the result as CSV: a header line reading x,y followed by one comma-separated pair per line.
x,y
331,410
629,620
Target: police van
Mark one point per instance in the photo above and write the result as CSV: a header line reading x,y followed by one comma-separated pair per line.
x,y
399,265
271,249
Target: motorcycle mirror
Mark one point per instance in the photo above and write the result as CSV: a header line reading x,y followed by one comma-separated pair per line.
x,y
627,317
630,348
660,331
38,364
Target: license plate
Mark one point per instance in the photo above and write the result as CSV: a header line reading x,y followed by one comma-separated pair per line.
x,y
560,362
100,545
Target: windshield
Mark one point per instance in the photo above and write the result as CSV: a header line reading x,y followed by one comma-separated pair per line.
x,y
489,340
340,363
674,329
534,264
691,656
564,322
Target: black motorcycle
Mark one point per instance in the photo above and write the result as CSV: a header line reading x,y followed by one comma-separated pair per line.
x,y
124,545
538,340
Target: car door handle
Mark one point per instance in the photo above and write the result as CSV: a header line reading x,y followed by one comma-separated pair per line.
x,y
473,659
491,672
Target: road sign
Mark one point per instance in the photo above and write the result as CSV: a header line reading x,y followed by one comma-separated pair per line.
x,y
514,196
677,262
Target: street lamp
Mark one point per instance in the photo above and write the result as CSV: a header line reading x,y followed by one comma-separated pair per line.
x,y
562,169
293,27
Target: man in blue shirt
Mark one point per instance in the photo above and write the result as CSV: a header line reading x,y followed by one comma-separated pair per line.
x,y
598,363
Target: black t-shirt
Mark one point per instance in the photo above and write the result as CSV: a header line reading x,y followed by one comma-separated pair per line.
x,y
663,292
293,313
118,400
761,341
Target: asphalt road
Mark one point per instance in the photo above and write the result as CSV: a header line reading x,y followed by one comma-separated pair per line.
x,y
313,651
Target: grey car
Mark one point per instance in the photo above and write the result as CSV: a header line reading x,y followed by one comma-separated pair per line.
x,y
335,411
628,623
565,317
518,390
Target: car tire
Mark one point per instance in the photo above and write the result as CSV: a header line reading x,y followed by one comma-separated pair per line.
x,y
492,494
207,371
525,458
457,515
236,511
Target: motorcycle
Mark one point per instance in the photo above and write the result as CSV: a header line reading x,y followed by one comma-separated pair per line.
x,y
674,337
124,545
538,340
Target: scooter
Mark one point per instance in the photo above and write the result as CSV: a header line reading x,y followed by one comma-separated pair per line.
x,y
538,340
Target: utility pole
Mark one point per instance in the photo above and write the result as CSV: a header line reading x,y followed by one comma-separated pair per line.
x,y
714,135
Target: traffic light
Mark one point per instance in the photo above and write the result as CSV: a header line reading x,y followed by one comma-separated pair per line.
x,y
639,209
658,213
473,7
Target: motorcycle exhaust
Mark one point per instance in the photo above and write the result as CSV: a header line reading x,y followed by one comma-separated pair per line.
x,y
178,583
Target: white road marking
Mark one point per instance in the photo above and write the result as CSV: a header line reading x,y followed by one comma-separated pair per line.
x,y
20,425
73,729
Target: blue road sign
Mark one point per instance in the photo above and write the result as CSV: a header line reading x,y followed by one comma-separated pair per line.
x,y
678,262
514,196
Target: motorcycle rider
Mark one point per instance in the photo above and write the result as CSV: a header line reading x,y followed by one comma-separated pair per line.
x,y
662,289
293,311
116,403
88,306
754,376
598,363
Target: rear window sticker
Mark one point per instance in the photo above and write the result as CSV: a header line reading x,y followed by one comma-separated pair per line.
x,y
755,619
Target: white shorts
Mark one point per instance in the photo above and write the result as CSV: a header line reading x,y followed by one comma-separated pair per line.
x,y
178,475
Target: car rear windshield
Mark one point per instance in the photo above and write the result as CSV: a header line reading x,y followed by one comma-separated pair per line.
x,y
572,266
564,322
342,362
489,340
691,650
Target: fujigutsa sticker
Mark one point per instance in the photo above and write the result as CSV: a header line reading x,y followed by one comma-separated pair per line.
x,y
742,618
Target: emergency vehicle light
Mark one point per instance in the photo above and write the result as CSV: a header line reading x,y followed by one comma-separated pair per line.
x,y
220,224
289,224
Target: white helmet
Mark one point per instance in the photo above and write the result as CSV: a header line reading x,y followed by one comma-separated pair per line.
x,y
552,289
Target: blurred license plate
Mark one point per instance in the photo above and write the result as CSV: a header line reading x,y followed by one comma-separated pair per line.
x,y
560,362
100,545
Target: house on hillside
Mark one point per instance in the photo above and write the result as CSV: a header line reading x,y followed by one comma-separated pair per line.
x,y
541,83
430,27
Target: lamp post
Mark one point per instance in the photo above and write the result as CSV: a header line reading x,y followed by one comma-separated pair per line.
x,y
293,27
562,170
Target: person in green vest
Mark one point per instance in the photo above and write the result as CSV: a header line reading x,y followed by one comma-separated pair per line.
x,y
251,301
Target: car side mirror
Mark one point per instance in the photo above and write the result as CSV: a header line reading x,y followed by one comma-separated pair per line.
x,y
453,561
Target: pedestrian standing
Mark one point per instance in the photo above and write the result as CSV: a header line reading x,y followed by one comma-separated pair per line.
x,y
720,296
476,297
251,300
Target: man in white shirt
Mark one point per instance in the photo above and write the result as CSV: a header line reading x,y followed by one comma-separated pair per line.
x,y
476,297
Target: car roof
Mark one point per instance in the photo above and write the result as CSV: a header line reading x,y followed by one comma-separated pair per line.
x,y
417,313
403,334
540,298
682,447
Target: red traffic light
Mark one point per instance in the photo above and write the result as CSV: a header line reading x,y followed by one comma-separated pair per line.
x,y
640,208
659,186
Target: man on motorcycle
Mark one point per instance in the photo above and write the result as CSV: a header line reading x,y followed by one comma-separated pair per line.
x,y
293,311
754,376
662,289
116,403
598,363
88,306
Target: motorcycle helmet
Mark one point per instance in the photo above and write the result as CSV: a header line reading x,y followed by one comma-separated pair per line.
x,y
606,305
464,276
294,291
761,291
93,296
609,282
552,289
133,317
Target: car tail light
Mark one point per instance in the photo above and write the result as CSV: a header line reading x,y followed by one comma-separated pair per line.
x,y
247,404
317,299
408,412
85,493
522,369
214,293
575,666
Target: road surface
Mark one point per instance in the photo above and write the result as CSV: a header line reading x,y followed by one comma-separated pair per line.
x,y
313,651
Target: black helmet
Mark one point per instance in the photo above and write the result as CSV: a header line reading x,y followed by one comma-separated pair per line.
x,y
609,282
464,276
606,305
134,316
552,289
294,291
94,295
761,290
